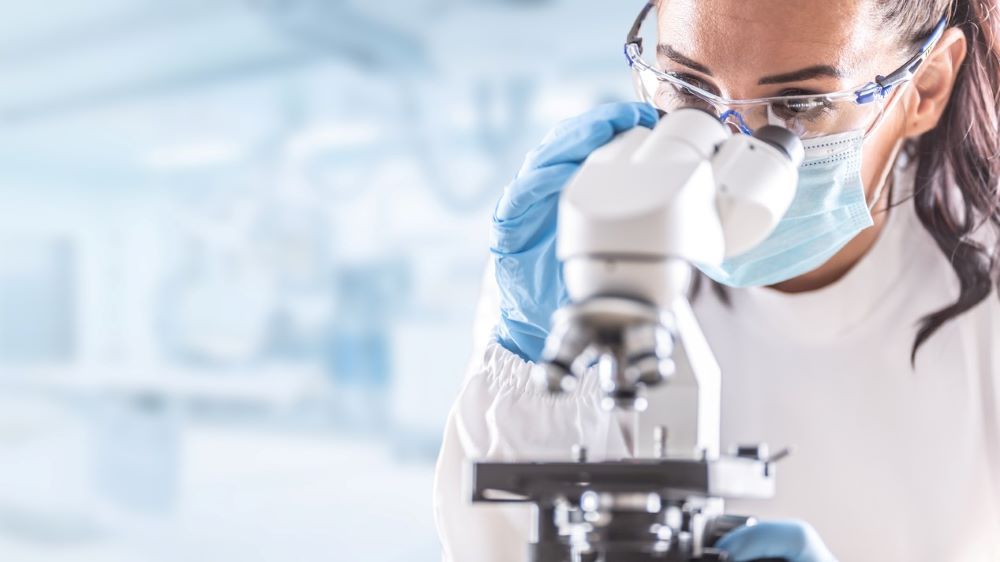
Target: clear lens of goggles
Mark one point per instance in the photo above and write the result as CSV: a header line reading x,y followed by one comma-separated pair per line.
x,y
807,116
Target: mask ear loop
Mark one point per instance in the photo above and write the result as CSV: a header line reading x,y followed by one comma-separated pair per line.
x,y
895,151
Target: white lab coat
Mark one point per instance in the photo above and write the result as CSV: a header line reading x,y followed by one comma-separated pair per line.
x,y
889,462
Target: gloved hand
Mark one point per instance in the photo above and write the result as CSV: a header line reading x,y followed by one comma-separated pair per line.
x,y
794,541
522,239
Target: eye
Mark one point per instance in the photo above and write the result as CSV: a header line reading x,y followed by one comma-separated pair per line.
x,y
672,95
798,92
804,108
693,81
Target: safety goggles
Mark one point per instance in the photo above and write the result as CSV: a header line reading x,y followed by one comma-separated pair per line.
x,y
809,115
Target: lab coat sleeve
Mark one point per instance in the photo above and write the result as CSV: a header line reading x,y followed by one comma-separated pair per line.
x,y
499,415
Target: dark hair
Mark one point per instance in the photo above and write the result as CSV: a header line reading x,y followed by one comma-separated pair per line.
x,y
957,187
958,162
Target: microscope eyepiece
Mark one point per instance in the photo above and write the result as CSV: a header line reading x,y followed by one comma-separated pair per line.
x,y
784,140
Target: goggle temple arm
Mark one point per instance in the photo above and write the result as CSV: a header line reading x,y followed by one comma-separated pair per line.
x,y
882,85
633,32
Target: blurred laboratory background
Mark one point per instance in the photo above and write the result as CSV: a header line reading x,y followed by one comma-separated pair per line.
x,y
241,243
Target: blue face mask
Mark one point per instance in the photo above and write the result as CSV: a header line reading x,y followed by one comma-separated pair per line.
x,y
829,209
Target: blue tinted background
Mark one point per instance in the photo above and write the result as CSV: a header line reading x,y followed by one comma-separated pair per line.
x,y
241,243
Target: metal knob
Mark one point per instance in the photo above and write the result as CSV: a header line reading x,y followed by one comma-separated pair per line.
x,y
553,377
649,348
758,451
563,347
721,525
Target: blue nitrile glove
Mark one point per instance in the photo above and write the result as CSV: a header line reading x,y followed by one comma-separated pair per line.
x,y
523,236
794,541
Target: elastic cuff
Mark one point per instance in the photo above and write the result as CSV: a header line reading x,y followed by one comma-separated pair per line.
x,y
506,369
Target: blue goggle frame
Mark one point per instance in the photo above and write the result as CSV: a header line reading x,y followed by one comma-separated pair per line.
x,y
872,91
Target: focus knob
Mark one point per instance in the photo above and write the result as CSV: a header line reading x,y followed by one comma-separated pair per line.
x,y
720,525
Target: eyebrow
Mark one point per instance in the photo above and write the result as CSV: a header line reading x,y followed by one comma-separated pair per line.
x,y
816,71
672,54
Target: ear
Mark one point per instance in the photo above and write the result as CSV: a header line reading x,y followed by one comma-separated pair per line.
x,y
934,82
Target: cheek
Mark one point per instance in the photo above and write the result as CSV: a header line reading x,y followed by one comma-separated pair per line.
x,y
877,151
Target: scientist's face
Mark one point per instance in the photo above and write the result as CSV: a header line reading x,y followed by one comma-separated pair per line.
x,y
758,48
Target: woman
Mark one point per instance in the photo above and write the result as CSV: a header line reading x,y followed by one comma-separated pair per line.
x,y
864,333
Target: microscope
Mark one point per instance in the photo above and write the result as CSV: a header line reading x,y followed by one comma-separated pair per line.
x,y
639,212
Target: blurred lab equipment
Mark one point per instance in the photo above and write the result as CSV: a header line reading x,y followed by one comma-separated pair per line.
x,y
37,320
360,348
181,185
137,442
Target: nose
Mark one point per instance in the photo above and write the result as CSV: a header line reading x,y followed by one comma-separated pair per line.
x,y
734,119
733,127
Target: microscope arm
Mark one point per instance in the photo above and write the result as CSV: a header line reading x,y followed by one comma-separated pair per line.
x,y
632,222
639,213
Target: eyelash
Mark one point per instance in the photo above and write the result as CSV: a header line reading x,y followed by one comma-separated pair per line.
x,y
694,81
699,83
798,92
786,112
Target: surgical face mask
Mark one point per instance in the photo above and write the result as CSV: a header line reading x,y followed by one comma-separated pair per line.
x,y
829,209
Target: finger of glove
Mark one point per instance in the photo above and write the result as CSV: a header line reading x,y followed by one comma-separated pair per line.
x,y
531,288
525,340
793,541
571,143
573,140
527,202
